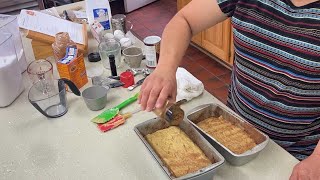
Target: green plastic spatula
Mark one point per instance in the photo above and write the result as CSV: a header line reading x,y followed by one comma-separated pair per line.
x,y
107,115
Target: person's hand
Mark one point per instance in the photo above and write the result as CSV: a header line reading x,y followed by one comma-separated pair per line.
x,y
158,87
308,169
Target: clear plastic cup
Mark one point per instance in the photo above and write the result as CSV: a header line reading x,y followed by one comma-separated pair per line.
x,y
107,48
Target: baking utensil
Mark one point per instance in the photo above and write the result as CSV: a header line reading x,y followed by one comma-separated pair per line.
x,y
116,84
145,71
95,97
51,99
174,114
171,112
130,88
40,70
108,82
110,113
116,121
205,111
127,78
133,56
206,173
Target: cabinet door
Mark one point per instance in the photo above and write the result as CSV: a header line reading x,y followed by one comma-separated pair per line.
x,y
197,39
216,40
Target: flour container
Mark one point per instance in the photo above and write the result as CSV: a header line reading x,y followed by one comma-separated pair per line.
x,y
99,11
9,24
11,84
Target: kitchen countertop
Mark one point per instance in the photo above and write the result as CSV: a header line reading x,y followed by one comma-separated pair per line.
x,y
71,147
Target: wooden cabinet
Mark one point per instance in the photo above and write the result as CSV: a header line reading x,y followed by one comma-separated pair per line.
x,y
216,40
182,3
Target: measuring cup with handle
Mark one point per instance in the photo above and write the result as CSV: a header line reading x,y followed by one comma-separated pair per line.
x,y
51,99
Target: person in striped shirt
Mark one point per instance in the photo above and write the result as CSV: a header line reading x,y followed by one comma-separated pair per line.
x,y
276,73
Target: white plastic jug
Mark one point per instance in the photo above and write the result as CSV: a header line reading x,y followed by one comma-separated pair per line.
x,y
9,24
100,11
11,84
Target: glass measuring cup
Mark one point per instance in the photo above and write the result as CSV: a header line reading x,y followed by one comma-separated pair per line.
x,y
50,99
107,48
40,70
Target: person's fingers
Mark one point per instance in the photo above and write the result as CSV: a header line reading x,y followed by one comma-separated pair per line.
x,y
144,84
145,96
294,174
154,94
163,97
140,96
173,95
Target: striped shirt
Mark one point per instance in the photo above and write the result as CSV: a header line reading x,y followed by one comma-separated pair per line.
x,y
276,74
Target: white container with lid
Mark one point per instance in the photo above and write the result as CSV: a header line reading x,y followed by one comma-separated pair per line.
x,y
10,74
152,49
9,24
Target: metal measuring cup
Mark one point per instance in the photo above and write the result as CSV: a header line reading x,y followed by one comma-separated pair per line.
x,y
171,113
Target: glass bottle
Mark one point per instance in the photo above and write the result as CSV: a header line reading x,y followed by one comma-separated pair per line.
x,y
62,40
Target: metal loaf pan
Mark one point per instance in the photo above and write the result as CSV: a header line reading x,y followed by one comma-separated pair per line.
x,y
206,173
203,112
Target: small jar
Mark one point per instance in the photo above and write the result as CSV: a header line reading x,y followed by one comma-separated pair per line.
x,y
62,40
118,22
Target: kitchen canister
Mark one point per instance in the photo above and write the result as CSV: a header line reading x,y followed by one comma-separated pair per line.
x,y
152,50
9,24
10,72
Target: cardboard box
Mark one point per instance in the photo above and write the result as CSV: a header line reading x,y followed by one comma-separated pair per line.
x,y
74,71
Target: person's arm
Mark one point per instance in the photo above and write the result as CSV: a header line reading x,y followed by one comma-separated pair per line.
x,y
317,150
308,169
198,15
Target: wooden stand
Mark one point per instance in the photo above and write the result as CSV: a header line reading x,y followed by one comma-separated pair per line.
x,y
42,43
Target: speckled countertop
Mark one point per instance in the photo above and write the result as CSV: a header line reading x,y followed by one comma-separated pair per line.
x,y
71,147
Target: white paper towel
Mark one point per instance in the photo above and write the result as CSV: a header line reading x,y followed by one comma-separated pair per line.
x,y
188,86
